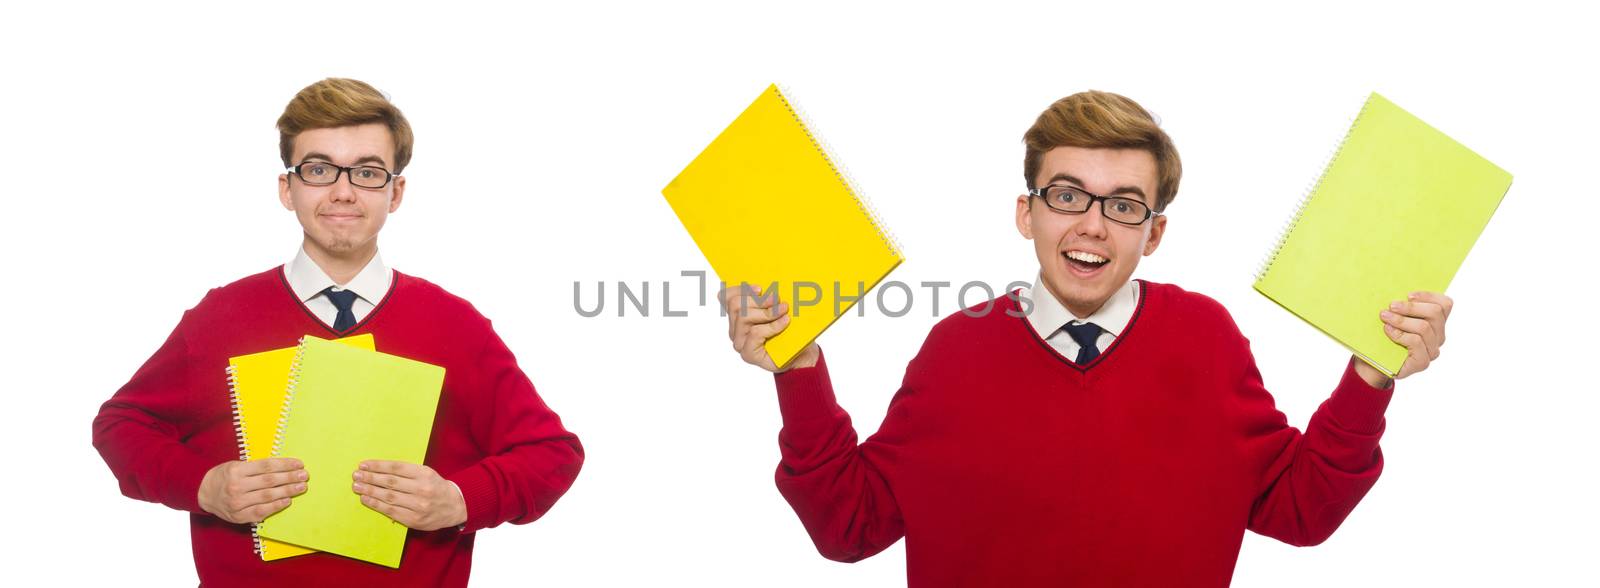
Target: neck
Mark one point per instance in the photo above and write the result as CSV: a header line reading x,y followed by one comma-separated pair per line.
x,y
341,266
1082,313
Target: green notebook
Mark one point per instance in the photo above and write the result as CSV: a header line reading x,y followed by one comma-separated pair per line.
x,y
1395,212
344,406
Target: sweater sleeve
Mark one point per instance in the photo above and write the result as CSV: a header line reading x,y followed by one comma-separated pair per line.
x,y
531,459
1317,477
140,431
839,490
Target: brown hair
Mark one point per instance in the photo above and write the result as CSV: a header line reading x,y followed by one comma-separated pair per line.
x,y
341,102
1103,120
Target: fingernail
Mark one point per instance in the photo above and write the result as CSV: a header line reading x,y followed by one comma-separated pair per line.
x,y
1394,306
364,466
356,487
1386,315
302,476
298,488
357,475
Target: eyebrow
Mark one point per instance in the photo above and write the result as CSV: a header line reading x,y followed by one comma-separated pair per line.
x,y
1118,191
365,159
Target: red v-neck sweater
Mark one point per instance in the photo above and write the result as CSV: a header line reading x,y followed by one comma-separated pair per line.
x,y
1004,464
492,435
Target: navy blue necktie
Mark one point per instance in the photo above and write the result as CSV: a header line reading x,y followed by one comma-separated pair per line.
x,y
1085,334
342,300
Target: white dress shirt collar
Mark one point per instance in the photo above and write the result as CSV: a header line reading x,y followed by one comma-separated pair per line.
x,y
1049,315
308,280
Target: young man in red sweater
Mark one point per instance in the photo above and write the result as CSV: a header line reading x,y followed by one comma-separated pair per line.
x,y
1092,430
496,454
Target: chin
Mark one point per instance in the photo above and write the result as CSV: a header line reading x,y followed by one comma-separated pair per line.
x,y
336,244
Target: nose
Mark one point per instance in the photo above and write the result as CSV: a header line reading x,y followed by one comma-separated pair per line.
x,y
342,190
1092,223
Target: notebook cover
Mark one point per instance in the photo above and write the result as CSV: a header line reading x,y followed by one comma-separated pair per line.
x,y
1396,211
258,382
345,406
765,204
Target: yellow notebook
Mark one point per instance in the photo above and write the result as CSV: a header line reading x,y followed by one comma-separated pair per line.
x,y
1394,212
344,406
257,383
767,204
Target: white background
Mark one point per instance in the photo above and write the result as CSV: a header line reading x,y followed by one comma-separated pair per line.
x,y
544,136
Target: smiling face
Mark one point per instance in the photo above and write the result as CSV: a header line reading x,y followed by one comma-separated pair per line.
x,y
1084,258
341,221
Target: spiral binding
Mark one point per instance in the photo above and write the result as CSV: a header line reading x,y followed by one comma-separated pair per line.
x,y
288,397
1300,207
242,437
277,437
244,440
238,415
839,171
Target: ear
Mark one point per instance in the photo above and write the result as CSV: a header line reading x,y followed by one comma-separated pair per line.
x,y
399,193
1025,216
283,192
1158,227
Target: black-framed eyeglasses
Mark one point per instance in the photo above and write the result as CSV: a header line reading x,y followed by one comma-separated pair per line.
x,y
1074,200
322,173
